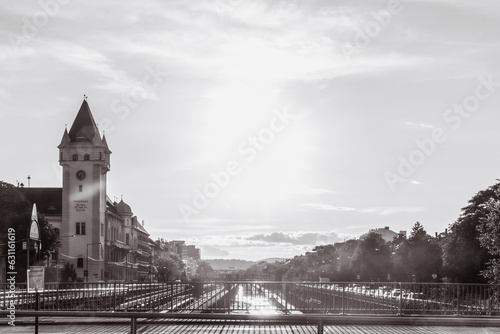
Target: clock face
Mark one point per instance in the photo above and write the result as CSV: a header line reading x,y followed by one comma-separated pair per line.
x,y
80,175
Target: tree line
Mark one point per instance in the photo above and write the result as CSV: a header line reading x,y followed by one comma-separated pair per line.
x,y
468,252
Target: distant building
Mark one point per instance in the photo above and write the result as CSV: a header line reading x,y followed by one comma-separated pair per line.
x,y
386,234
179,248
190,251
189,254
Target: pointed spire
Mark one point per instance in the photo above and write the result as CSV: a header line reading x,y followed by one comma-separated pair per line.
x,y
65,139
84,127
105,143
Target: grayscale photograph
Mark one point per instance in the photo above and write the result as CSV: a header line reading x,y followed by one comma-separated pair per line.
x,y
260,166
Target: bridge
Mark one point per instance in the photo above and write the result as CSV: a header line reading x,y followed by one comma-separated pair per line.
x,y
251,303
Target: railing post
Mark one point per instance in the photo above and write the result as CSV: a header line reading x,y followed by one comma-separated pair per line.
x,y
57,296
171,297
320,326
133,325
343,299
228,297
458,300
286,299
37,308
400,298
490,300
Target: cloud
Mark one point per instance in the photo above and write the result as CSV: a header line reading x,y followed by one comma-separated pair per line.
x,y
322,206
382,211
423,125
209,251
300,238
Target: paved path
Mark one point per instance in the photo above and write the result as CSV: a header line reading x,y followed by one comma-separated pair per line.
x,y
118,327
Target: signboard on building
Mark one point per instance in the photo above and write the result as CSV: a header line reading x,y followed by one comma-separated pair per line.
x,y
36,276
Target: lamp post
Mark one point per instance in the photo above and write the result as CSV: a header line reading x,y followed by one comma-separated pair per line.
x,y
94,243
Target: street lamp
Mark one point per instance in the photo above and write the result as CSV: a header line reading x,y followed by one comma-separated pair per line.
x,y
94,243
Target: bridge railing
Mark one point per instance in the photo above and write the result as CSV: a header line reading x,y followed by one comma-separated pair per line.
x,y
261,297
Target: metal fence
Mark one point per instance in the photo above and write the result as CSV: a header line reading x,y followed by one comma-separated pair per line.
x,y
259,297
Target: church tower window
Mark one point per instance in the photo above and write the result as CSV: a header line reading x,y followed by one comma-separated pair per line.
x,y
75,157
86,157
80,228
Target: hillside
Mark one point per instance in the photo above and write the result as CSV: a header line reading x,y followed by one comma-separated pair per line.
x,y
222,264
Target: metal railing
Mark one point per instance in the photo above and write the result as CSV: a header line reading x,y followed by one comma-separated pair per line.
x,y
319,321
261,297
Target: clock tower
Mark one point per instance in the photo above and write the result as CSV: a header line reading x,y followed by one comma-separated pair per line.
x,y
84,156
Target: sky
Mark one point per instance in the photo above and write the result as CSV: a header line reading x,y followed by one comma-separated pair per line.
x,y
257,129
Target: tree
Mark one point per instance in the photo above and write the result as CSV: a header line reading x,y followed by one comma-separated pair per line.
x,y
15,213
204,269
489,237
419,256
169,268
464,257
345,254
372,258
69,273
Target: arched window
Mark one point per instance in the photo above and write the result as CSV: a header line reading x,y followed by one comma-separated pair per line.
x,y
86,157
79,262
75,157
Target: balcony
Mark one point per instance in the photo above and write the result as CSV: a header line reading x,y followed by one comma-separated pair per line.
x,y
119,244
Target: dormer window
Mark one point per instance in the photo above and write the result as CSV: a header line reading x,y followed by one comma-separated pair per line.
x,y
86,157
75,157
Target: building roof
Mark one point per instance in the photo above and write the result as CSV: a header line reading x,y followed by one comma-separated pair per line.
x,y
123,208
84,127
138,225
48,200
386,234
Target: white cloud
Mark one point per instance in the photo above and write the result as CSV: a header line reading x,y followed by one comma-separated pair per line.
x,y
322,206
423,125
